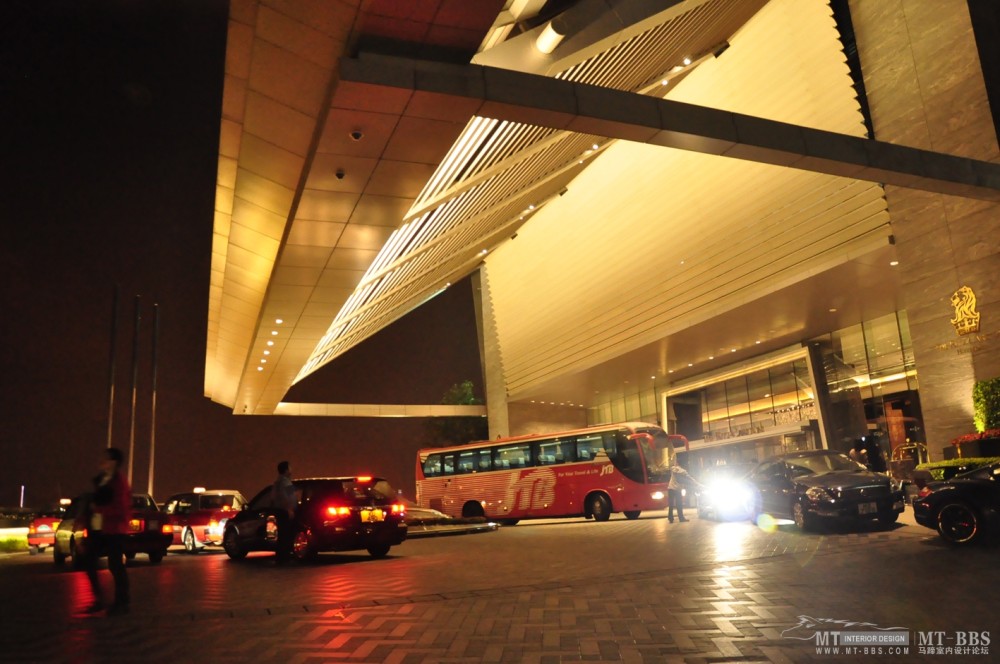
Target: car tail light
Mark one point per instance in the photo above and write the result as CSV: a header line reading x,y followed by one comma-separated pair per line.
x,y
135,525
926,491
212,523
167,529
31,529
338,511
399,509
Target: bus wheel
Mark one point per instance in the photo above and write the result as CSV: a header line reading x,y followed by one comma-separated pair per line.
x,y
472,508
632,514
599,507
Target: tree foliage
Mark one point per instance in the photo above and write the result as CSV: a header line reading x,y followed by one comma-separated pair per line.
x,y
986,404
457,430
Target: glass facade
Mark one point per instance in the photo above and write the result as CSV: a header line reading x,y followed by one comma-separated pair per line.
x,y
867,386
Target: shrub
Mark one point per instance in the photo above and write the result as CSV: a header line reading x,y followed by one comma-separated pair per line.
x,y
942,470
986,404
13,543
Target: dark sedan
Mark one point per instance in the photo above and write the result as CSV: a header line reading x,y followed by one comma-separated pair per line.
x,y
963,509
823,484
333,514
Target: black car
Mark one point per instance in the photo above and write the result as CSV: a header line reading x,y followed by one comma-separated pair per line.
x,y
962,509
823,484
333,514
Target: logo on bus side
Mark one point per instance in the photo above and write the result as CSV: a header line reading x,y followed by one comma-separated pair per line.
x,y
534,490
607,469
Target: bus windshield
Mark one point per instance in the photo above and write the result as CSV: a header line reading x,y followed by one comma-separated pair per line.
x,y
658,451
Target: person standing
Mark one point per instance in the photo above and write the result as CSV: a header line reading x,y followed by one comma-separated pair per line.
x,y
675,496
283,500
111,508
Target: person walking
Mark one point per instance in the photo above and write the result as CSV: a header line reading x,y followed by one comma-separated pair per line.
x,y
675,496
283,500
110,510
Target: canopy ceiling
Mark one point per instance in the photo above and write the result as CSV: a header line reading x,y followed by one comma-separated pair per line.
x,y
343,203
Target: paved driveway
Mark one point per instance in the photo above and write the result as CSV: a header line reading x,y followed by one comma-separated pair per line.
x,y
552,591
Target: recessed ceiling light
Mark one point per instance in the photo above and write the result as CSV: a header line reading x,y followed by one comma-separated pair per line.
x,y
263,360
894,263
732,350
270,343
757,342
278,321
260,368
274,333
267,352
687,61
711,357
833,310
690,365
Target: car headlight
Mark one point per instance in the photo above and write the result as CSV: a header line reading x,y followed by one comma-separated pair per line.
x,y
817,494
729,494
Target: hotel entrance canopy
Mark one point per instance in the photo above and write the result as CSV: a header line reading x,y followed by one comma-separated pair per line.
x,y
636,181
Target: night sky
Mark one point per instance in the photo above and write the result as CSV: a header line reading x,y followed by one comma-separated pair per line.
x,y
110,115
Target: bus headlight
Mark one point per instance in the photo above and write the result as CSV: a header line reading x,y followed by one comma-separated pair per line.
x,y
657,495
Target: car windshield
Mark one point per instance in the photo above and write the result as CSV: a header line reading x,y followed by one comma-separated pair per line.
x,y
817,464
142,502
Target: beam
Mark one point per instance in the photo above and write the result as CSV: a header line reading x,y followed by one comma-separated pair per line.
x,y
438,88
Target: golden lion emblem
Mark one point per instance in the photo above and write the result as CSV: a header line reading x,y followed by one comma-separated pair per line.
x,y
966,320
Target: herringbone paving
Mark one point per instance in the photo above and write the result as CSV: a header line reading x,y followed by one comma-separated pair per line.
x,y
643,600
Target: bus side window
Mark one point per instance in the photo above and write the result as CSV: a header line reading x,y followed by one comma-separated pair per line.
x,y
449,465
587,447
432,467
484,460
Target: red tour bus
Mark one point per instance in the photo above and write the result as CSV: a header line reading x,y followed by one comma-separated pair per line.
x,y
590,472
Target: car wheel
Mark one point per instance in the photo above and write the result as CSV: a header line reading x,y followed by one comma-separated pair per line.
x,y
632,515
802,518
378,550
232,545
304,545
888,517
33,550
958,523
156,556
77,553
190,544
472,509
599,507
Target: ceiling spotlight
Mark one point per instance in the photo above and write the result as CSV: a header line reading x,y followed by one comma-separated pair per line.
x,y
260,368
893,263
732,350
711,357
267,352
278,321
690,365
357,135
274,333
833,310
687,61
270,343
